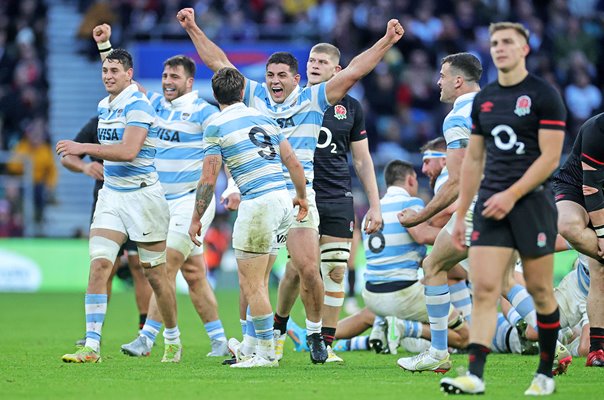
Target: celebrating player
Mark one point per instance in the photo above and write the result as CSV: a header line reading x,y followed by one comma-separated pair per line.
x,y
299,111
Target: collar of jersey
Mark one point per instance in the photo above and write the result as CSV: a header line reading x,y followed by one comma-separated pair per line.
x,y
233,107
183,100
396,191
464,97
291,99
125,94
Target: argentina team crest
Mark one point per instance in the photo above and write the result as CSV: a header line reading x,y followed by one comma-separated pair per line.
x,y
523,106
185,116
340,112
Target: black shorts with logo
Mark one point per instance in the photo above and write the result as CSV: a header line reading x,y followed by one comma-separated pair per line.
x,y
336,219
530,227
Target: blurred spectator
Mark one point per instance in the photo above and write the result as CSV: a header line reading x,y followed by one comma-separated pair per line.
x,y
11,208
34,147
23,82
583,99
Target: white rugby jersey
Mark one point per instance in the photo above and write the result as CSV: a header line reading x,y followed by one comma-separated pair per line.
x,y
457,125
180,126
300,117
392,254
129,108
248,142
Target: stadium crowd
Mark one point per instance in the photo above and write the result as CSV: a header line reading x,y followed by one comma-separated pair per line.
x,y
24,111
564,50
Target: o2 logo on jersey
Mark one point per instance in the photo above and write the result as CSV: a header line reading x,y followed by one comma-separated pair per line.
x,y
506,139
327,142
265,143
376,242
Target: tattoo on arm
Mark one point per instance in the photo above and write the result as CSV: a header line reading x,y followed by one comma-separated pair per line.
x,y
203,197
214,165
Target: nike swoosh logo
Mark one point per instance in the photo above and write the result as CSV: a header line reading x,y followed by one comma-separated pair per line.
x,y
145,234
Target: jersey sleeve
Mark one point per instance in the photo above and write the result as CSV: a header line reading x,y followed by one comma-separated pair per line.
x,y
205,113
139,113
319,96
415,204
154,98
552,112
211,140
358,131
252,89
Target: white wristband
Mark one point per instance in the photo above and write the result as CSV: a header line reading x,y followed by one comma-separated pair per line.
x,y
104,46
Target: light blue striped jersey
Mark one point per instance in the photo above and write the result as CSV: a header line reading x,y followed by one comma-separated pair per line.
x,y
129,108
180,125
300,117
249,144
457,125
441,179
583,279
392,254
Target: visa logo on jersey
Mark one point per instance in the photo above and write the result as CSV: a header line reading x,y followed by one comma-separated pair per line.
x,y
107,134
168,135
285,122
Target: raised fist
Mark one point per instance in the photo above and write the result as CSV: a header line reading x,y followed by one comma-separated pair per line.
x,y
394,31
186,17
101,33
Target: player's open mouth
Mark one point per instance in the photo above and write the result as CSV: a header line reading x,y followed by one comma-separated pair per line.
x,y
277,90
169,90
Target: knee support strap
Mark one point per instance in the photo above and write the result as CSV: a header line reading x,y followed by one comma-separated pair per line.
x,y
334,256
153,258
101,247
181,243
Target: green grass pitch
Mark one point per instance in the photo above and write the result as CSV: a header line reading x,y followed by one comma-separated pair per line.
x,y
37,329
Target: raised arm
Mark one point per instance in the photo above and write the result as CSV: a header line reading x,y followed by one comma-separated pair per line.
x,y
361,65
101,35
208,51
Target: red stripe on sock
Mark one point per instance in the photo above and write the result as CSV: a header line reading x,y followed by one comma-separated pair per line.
x,y
552,325
596,336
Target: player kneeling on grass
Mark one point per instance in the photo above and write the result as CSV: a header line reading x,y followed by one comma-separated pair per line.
x,y
253,149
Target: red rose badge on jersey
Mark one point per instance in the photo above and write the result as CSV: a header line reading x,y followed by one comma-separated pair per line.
x,y
340,112
523,106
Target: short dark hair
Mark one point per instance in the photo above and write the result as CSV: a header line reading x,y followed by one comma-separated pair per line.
x,y
397,170
518,27
466,63
187,63
286,58
228,84
438,144
121,56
